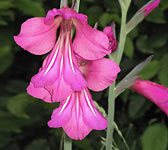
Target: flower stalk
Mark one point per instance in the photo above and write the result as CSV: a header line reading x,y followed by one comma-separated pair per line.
x,y
117,57
67,142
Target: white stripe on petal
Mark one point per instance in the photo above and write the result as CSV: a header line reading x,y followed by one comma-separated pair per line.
x,y
61,64
52,61
70,58
63,107
88,101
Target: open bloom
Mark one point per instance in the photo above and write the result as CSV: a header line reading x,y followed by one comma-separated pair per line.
x,y
98,74
78,115
59,72
150,6
112,39
158,94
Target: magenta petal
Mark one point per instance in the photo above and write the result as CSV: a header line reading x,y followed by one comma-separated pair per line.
x,y
40,93
112,40
74,77
75,128
151,6
158,94
50,71
62,114
60,90
72,74
100,74
90,43
91,116
37,37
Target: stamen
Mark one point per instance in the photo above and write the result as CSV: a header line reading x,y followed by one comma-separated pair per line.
x,y
88,101
63,107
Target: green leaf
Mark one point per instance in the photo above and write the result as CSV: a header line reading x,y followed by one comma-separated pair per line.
x,y
16,86
3,22
92,18
107,19
17,104
4,138
138,106
5,4
143,44
157,16
129,48
158,40
5,62
163,73
150,70
40,144
155,137
12,124
30,7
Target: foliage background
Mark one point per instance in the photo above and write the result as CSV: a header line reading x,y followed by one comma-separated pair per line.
x,y
23,119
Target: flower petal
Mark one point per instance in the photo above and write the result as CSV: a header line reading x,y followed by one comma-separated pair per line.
x,y
59,90
40,93
50,70
112,40
37,37
153,91
62,114
100,74
91,116
89,43
150,7
76,127
65,12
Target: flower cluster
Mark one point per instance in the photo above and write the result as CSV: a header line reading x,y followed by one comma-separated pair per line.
x,y
73,66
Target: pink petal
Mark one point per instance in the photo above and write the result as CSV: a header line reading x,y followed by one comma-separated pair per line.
x,y
40,93
65,12
89,43
59,90
100,74
78,116
72,74
91,116
50,71
68,117
76,127
153,91
62,114
112,40
151,6
37,37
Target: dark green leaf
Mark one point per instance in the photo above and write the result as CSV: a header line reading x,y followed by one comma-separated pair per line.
x,y
150,70
40,144
129,48
163,73
155,137
17,104
30,7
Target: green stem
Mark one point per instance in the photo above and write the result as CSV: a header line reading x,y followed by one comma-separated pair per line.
x,y
111,96
111,110
122,39
67,142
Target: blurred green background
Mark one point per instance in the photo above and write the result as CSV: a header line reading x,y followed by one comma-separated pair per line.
x,y
23,119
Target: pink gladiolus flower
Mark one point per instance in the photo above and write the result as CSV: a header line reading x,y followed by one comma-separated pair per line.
x,y
60,73
99,74
158,94
149,7
77,115
112,39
